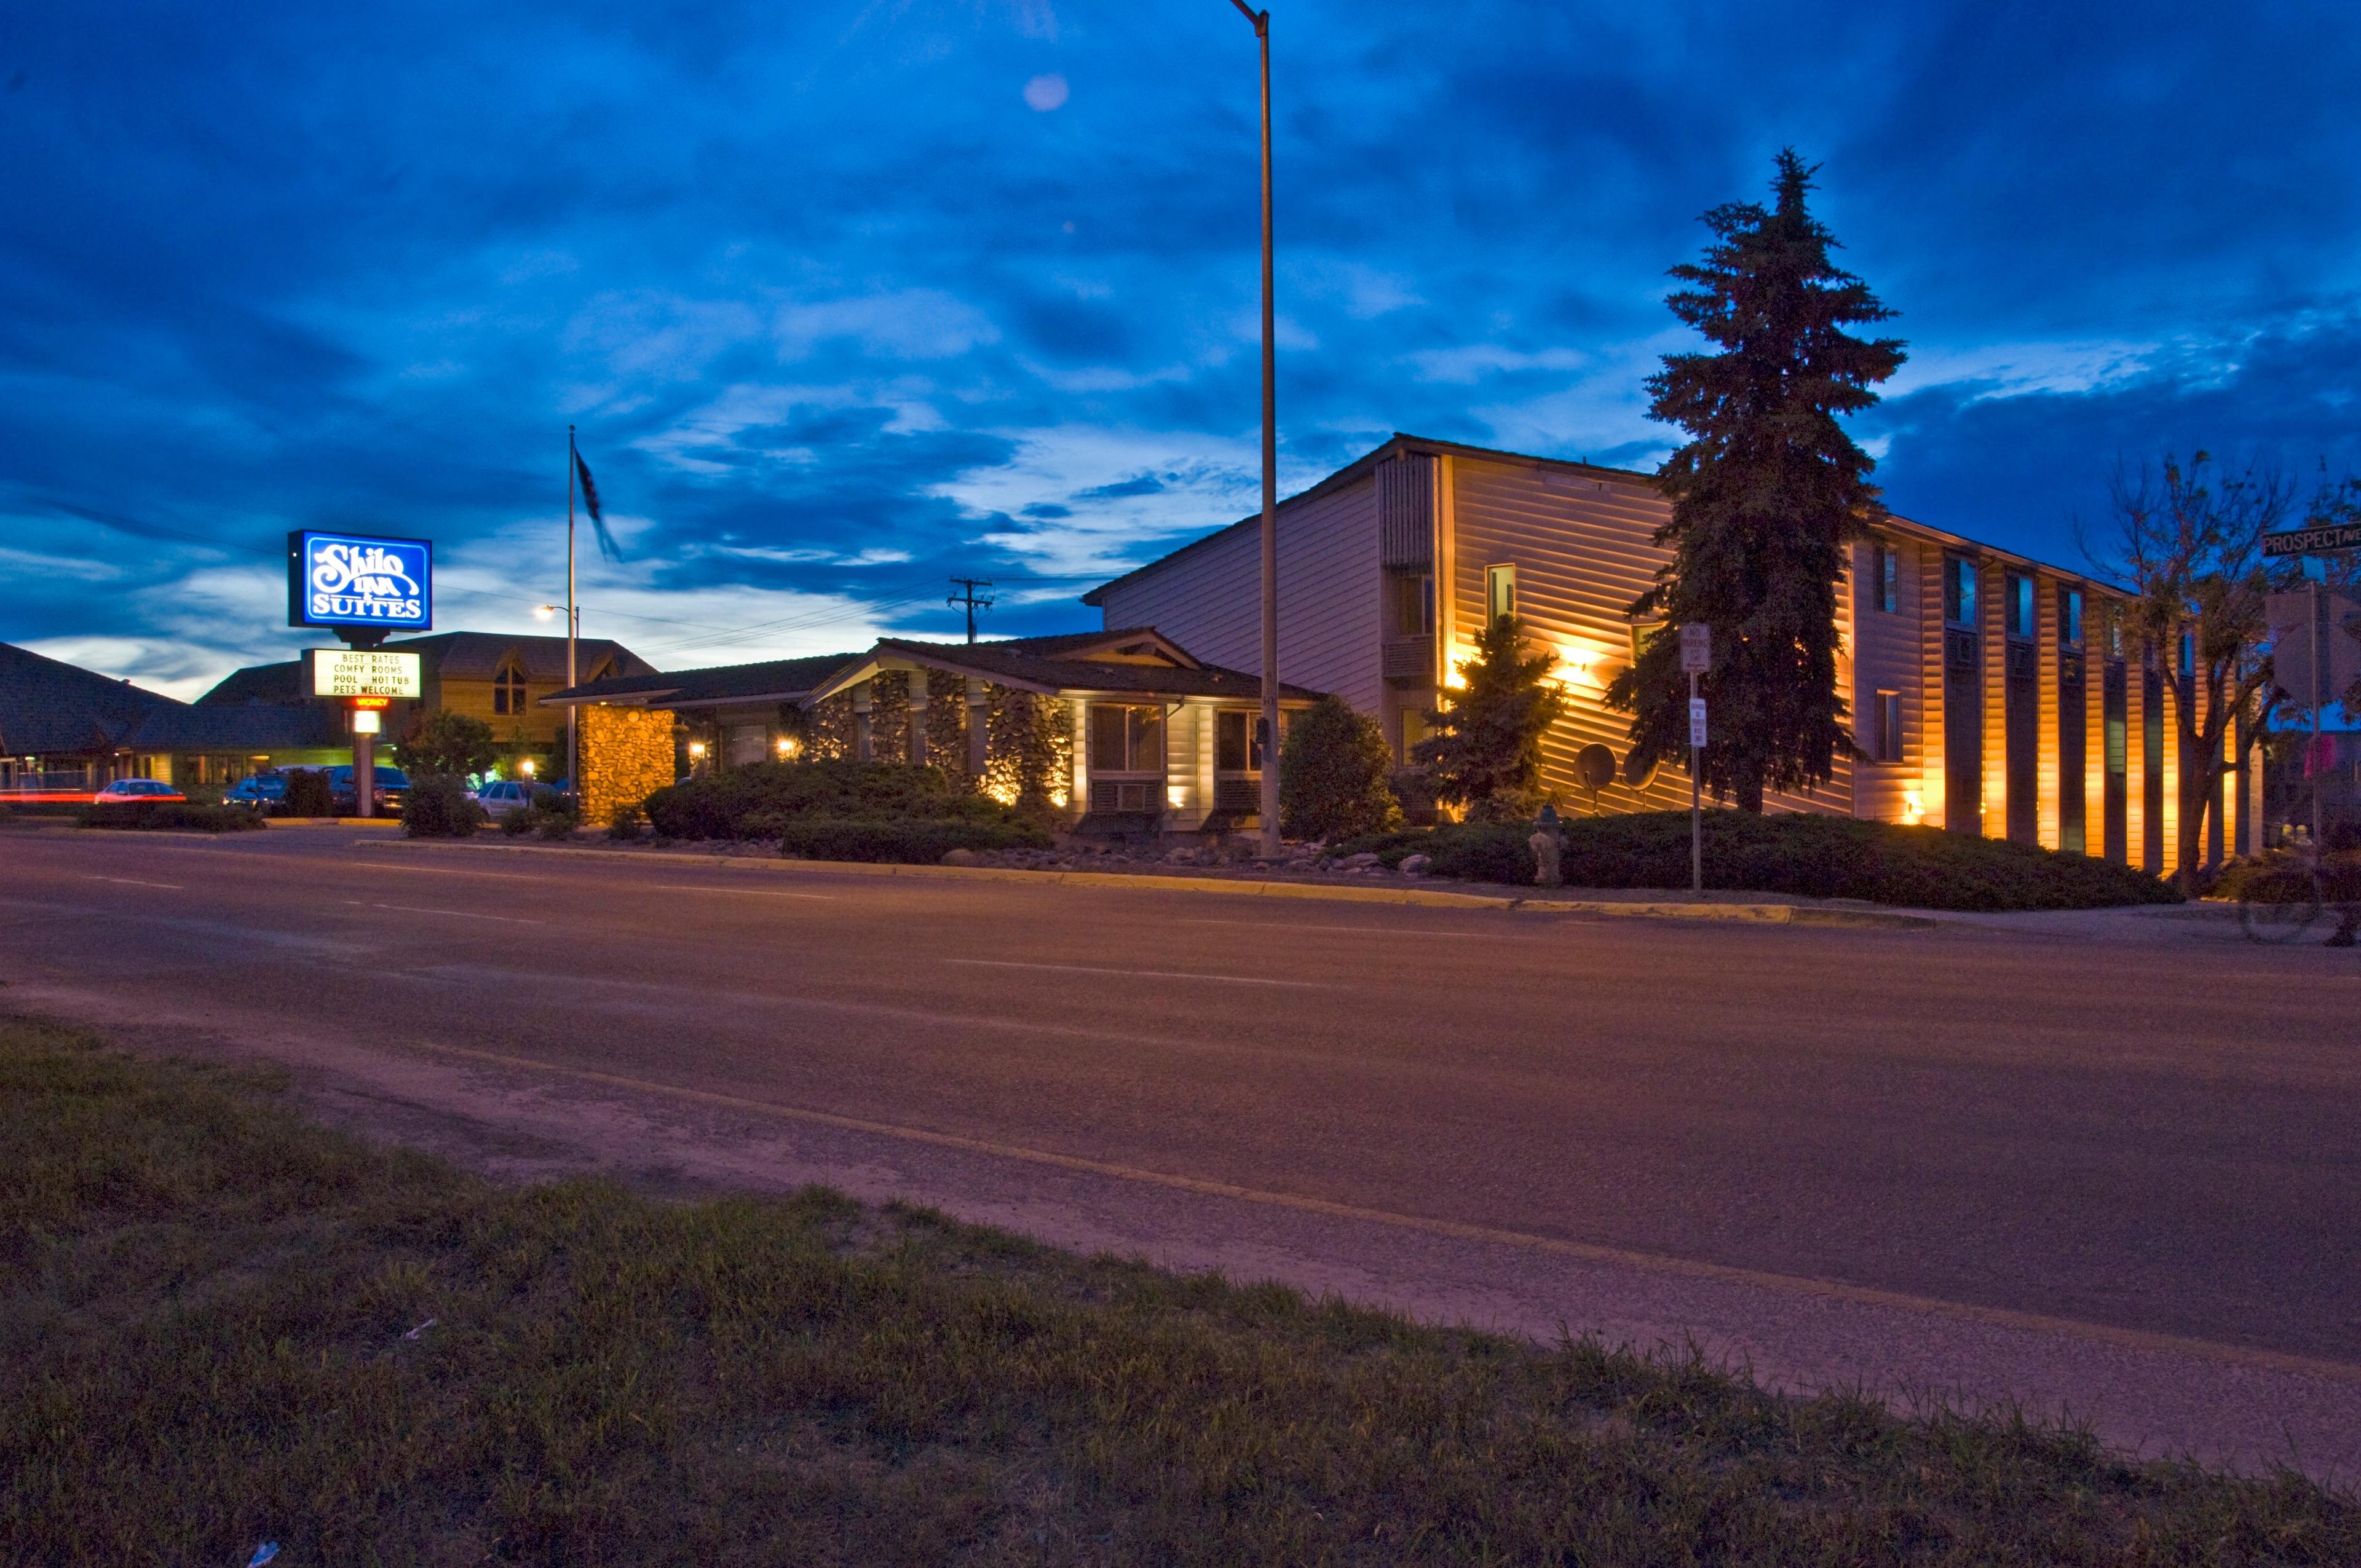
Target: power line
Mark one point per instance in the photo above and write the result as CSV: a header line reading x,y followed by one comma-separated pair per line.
x,y
968,600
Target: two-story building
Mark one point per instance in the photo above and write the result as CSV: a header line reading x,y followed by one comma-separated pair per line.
x,y
1990,693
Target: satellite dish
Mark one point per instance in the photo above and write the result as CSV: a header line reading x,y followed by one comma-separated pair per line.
x,y
1636,776
1594,766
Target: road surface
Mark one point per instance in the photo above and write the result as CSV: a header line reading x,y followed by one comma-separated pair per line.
x,y
2106,1167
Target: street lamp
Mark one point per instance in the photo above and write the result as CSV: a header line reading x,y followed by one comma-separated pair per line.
x,y
1261,20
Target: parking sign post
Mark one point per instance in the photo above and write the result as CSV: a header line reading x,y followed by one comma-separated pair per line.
x,y
1696,657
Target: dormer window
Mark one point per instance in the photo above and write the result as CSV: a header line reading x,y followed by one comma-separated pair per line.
x,y
508,689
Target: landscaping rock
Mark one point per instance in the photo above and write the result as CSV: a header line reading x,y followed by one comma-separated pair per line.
x,y
959,857
1361,861
1415,865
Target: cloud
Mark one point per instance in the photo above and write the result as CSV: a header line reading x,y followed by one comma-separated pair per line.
x,y
1044,93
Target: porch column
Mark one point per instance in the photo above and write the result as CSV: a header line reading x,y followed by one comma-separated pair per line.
x,y
861,749
979,726
918,718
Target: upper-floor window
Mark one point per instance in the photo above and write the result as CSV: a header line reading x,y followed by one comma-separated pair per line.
x,y
2020,605
1414,606
1959,591
1499,593
1884,578
1127,740
2188,663
508,689
2069,617
2114,623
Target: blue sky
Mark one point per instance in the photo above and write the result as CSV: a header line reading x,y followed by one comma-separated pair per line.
x,y
849,295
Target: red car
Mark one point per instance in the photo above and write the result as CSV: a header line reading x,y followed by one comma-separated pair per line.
x,y
126,792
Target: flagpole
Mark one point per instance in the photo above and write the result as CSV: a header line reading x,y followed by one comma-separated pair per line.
x,y
573,620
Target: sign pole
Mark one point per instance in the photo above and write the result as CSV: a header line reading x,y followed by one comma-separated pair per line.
x,y
1696,657
573,624
2311,752
364,765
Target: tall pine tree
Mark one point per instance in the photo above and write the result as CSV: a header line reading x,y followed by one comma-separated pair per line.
x,y
1765,495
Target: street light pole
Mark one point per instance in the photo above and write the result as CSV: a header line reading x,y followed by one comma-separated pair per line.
x,y
1269,804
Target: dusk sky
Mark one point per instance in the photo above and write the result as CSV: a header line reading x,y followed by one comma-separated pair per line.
x,y
849,295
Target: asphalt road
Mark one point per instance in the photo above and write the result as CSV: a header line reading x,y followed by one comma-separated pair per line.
x,y
2114,1175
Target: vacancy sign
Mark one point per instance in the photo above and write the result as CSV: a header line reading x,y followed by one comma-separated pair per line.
x,y
359,671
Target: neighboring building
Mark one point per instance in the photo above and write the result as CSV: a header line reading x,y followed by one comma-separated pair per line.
x,y
498,678
1122,730
69,730
1990,693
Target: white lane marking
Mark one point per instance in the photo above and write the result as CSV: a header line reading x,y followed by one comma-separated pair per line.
x,y
133,881
454,914
1144,973
749,892
1357,930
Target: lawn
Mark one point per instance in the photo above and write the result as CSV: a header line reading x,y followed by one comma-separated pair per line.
x,y
225,1324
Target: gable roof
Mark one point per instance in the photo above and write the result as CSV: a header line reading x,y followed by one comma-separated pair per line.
x,y
1000,664
479,655
781,680
258,683
47,705
238,726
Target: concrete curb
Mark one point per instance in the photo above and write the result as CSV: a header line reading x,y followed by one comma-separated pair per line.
x,y
1433,898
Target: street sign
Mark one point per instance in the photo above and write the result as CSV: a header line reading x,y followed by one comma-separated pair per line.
x,y
1697,648
1696,722
2322,541
359,580
354,672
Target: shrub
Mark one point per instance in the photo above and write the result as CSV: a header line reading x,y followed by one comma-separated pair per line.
x,y
1804,856
169,814
719,806
549,814
909,843
1332,774
623,823
1487,741
441,742
308,793
438,807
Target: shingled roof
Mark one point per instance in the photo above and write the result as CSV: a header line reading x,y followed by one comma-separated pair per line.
x,y
1012,665
47,705
782,680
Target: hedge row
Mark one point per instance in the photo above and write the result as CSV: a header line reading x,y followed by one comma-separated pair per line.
x,y
908,843
750,802
1804,856
176,814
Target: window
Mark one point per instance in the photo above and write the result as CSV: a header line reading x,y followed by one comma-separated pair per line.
x,y
1959,591
508,690
2069,617
1414,729
1884,578
1127,740
2020,605
1642,633
2188,653
1889,726
1413,609
1499,593
2114,623
1230,730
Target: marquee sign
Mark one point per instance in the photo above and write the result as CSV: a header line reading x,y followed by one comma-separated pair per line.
x,y
370,675
359,580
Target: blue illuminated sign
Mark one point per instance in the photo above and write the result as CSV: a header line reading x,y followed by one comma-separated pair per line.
x,y
345,579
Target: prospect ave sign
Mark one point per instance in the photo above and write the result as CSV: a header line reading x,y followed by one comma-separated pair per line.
x,y
2313,541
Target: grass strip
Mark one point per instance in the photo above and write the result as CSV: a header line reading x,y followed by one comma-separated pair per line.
x,y
211,1335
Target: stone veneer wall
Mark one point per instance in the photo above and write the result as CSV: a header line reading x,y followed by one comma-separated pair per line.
x,y
1028,749
627,754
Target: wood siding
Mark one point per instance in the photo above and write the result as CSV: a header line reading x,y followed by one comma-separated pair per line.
x,y
1330,620
1889,654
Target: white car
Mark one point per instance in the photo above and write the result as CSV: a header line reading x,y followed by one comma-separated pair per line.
x,y
501,796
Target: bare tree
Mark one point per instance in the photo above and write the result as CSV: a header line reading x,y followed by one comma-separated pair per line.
x,y
2188,546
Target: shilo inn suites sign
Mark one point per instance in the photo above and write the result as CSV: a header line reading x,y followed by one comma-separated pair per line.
x,y
359,671
357,581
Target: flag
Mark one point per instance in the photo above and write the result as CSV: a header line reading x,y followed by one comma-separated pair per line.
x,y
606,545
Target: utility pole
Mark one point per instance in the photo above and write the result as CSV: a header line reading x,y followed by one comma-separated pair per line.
x,y
573,631
1269,804
967,597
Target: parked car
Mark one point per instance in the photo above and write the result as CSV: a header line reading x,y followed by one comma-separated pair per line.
x,y
392,789
124,792
260,791
503,797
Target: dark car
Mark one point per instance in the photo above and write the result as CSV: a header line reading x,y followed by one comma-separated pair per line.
x,y
392,789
